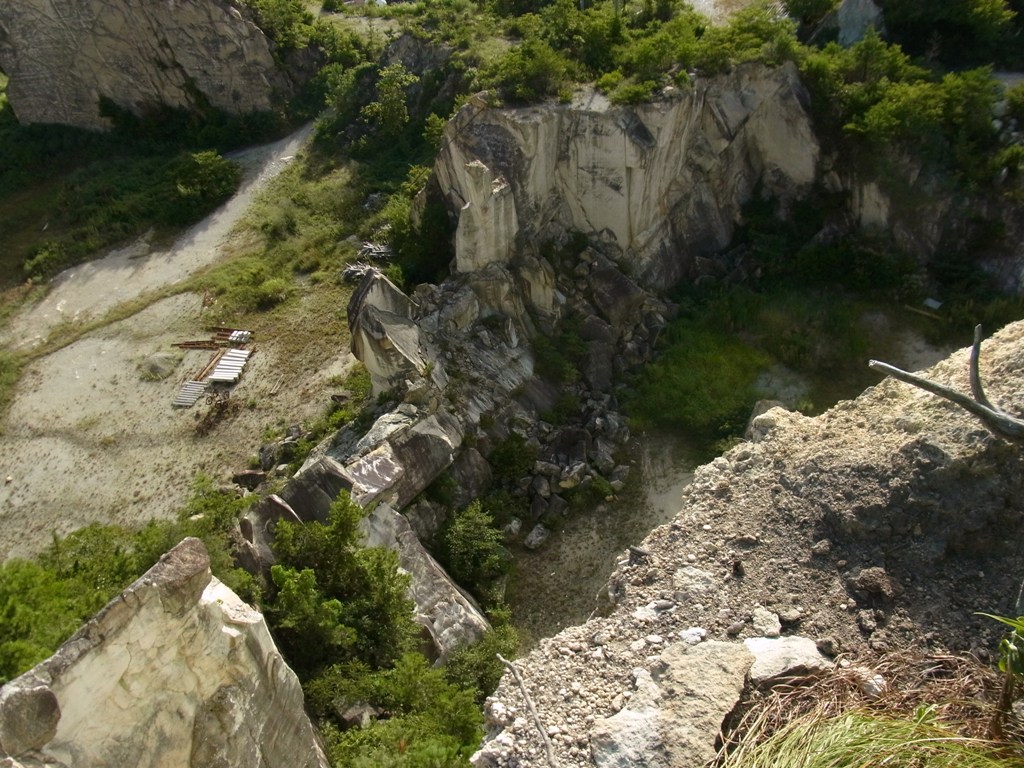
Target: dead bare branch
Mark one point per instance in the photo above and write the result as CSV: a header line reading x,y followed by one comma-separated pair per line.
x,y
533,711
995,419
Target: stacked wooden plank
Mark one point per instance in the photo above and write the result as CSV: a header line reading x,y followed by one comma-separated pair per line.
x,y
189,393
224,367
229,367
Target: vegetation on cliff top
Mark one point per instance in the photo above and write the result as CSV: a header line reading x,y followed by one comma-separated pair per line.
x,y
339,611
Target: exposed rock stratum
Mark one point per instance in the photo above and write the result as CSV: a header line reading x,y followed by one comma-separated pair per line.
x,y
176,671
63,56
662,182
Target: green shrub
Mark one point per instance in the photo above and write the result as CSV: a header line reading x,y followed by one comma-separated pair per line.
x,y
529,73
512,459
956,32
476,667
426,722
755,33
471,550
373,614
629,92
1015,101
202,181
609,81
703,381
862,738
287,22
270,293
846,82
809,12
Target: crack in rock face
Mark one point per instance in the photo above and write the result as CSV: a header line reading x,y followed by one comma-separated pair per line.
x,y
64,56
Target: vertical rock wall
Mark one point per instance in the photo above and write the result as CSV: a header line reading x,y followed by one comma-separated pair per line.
x,y
62,56
664,182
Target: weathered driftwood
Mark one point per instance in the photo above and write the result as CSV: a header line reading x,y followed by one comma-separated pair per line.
x,y
998,421
533,710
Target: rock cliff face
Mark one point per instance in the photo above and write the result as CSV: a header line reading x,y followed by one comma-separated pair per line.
x,y
176,671
886,522
657,187
63,56
662,182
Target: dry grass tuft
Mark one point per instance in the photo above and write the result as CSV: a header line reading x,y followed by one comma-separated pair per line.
x,y
933,710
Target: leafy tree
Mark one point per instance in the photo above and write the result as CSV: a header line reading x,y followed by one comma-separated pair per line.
x,y
471,548
307,624
810,12
476,667
426,721
906,112
202,181
360,589
389,114
286,22
755,33
955,32
846,82
529,73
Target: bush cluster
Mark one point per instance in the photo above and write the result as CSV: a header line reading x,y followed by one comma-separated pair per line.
x,y
111,201
630,54
342,618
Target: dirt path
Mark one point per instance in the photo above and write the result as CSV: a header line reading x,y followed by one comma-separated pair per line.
x,y
88,439
89,290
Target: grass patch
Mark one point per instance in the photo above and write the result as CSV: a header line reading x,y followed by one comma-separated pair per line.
x,y
934,712
865,738
114,200
702,382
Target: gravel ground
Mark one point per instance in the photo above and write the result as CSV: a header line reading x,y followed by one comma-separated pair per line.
x,y
87,438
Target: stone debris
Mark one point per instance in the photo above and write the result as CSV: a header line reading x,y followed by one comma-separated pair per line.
x,y
853,476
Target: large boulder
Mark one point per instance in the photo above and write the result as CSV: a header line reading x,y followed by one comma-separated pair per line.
x,y
64,56
175,671
671,713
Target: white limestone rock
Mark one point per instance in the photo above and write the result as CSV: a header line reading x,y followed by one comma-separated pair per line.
x,y
62,56
668,718
664,182
175,671
855,18
783,657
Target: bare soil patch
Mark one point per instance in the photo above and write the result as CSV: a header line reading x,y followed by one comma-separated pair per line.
x,y
88,439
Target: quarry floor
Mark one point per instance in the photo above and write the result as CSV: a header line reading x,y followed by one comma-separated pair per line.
x,y
88,439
